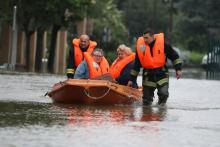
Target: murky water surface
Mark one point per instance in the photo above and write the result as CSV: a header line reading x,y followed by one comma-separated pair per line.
x,y
27,118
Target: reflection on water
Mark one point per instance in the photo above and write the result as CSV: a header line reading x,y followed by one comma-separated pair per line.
x,y
25,113
111,114
30,113
41,123
154,114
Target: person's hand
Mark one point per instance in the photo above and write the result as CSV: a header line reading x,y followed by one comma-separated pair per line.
x,y
114,81
130,83
178,74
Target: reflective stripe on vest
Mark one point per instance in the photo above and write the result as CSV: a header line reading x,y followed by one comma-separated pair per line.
x,y
95,69
118,65
146,59
78,54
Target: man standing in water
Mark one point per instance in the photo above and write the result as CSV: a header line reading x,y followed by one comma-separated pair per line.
x,y
151,55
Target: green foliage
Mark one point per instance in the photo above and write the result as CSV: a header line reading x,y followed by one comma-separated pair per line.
x,y
5,11
111,56
34,14
109,30
197,23
145,14
196,57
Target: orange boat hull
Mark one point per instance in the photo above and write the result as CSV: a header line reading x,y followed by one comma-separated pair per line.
x,y
93,92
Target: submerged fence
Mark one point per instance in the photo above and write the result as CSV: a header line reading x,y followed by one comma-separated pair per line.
x,y
213,60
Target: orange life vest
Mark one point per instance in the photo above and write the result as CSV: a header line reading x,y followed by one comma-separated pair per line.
x,y
144,54
78,54
95,69
118,65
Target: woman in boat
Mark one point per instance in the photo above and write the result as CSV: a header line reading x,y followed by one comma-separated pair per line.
x,y
93,65
121,67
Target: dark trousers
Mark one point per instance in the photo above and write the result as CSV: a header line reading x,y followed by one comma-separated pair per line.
x,y
148,94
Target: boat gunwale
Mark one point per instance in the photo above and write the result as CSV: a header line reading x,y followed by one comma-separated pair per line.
x,y
86,84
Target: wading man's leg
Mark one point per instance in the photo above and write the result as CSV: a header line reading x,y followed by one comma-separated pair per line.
x,y
148,95
163,94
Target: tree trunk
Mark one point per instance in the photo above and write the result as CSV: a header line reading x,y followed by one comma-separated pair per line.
x,y
28,39
39,51
52,47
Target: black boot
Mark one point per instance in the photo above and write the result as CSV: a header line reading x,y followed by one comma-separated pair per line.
x,y
148,94
147,101
162,101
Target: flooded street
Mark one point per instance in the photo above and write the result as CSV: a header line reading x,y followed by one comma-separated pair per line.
x,y
27,118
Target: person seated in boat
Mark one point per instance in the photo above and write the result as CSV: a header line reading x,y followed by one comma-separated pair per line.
x,y
121,67
94,65
78,47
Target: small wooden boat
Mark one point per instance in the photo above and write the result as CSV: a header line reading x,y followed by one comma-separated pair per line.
x,y
93,92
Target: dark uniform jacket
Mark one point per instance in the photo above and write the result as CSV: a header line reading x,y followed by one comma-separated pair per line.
x,y
125,75
71,62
